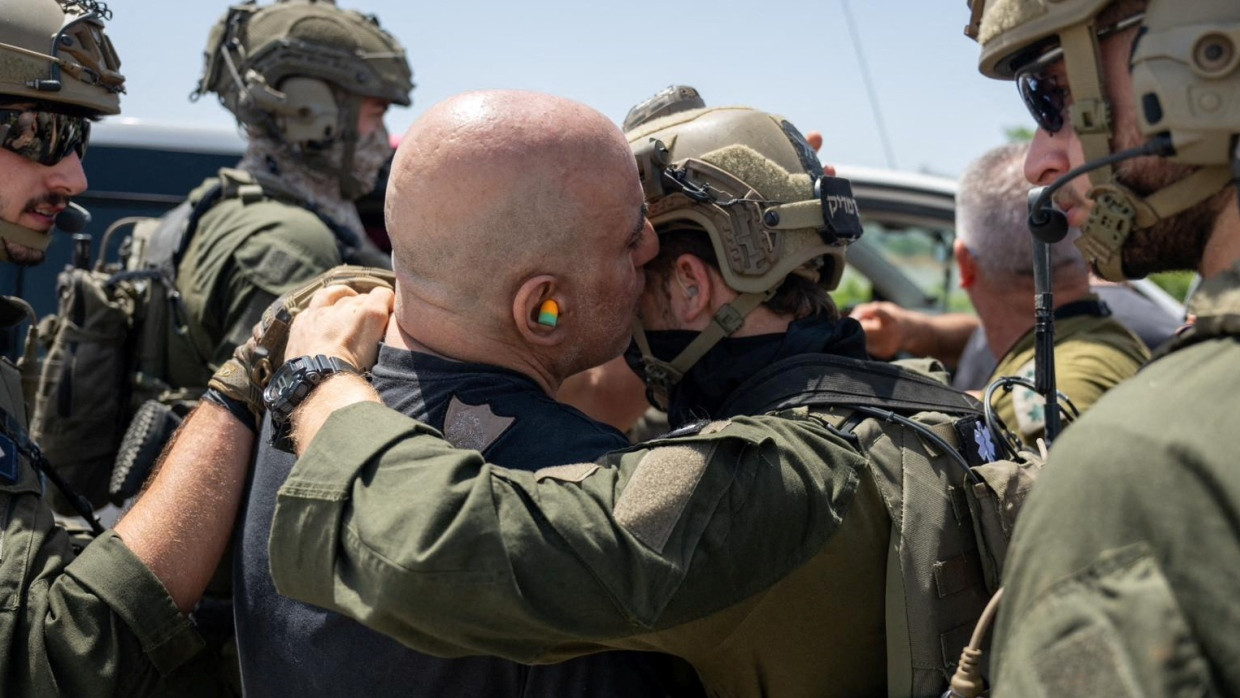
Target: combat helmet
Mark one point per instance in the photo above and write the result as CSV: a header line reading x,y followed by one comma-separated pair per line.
x,y
55,54
1185,68
754,186
298,70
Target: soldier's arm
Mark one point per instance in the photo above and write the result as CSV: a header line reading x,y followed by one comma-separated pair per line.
x,y
453,556
891,330
383,521
181,523
100,623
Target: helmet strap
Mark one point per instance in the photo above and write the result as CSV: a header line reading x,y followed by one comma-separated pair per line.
x,y
662,376
1090,112
20,235
350,187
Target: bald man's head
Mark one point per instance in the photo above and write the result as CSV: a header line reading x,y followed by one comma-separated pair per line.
x,y
491,189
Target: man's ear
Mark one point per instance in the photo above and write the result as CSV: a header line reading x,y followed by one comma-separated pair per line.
x,y
539,310
966,262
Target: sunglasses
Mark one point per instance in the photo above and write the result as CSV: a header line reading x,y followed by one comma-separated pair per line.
x,y
1044,96
42,136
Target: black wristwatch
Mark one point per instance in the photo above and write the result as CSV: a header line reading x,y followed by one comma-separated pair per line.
x,y
292,384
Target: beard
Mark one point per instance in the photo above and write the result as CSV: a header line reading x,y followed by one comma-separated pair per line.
x,y
1174,243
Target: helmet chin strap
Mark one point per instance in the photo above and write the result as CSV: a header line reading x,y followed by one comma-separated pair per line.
x,y
1118,211
20,235
662,376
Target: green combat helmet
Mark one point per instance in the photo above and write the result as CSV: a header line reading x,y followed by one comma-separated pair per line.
x,y
298,70
55,55
1185,87
751,182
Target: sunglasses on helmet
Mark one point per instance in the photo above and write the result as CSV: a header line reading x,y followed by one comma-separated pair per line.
x,y
42,136
1044,95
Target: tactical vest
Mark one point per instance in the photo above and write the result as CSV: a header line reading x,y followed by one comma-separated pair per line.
x,y
124,359
952,505
14,471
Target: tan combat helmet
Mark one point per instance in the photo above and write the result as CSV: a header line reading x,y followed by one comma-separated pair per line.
x,y
297,71
1185,89
751,182
55,54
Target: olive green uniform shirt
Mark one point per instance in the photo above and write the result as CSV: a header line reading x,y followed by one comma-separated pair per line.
x,y
90,624
246,252
1124,571
755,549
1092,355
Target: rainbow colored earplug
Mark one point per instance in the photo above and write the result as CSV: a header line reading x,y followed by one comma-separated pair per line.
x,y
549,313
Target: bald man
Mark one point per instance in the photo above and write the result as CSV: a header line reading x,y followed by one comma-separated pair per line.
x,y
519,236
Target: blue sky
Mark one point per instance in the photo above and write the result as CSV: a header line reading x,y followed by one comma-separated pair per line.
x,y
792,57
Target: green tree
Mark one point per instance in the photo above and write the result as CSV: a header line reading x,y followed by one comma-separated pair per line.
x,y
1017,134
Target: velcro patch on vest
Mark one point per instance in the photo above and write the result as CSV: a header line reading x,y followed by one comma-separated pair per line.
x,y
277,266
575,472
473,426
976,442
660,488
10,464
1086,664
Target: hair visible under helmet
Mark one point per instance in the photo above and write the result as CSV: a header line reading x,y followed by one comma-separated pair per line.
x,y
752,184
56,55
992,217
297,71
1186,89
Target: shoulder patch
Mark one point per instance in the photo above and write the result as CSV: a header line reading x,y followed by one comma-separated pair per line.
x,y
575,472
473,426
9,461
976,441
659,490
1030,407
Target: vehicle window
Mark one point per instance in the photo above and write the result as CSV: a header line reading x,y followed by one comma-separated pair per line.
x,y
907,264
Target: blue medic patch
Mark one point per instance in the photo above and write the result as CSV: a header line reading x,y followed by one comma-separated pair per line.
x,y
976,441
10,463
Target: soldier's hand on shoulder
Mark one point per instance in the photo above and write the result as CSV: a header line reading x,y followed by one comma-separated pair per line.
x,y
347,333
341,322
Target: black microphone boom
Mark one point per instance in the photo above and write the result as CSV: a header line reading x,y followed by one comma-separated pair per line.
x,y
73,219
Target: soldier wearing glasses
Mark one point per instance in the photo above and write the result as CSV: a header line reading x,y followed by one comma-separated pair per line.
x,y
109,618
1122,572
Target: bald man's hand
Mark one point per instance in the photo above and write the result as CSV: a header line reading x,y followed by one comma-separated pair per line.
x,y
340,322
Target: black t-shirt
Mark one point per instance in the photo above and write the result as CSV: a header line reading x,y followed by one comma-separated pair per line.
x,y
290,648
